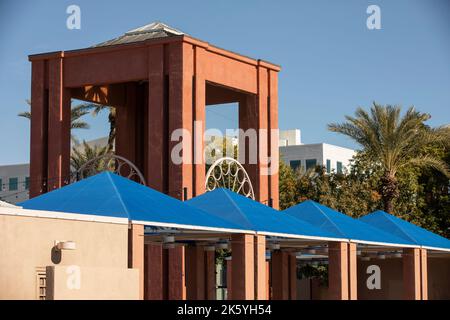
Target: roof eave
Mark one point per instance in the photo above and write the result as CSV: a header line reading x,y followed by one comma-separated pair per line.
x,y
144,43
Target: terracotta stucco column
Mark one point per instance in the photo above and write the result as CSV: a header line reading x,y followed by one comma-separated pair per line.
x,y
352,271
280,275
154,272
268,287
415,282
195,272
136,253
273,137
59,120
180,73
262,125
292,277
260,268
338,282
199,117
157,133
200,273
243,266
126,125
210,282
260,112
39,129
424,273
176,274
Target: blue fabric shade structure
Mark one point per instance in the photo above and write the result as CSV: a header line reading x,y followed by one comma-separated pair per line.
x,y
252,215
406,230
108,194
343,226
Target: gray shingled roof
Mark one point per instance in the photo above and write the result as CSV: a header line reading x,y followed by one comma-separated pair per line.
x,y
153,30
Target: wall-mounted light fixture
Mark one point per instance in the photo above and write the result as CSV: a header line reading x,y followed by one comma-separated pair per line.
x,y
274,246
168,239
65,245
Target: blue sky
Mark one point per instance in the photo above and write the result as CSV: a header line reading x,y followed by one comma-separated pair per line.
x,y
331,63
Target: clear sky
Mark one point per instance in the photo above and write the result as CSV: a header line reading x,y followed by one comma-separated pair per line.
x,y
331,63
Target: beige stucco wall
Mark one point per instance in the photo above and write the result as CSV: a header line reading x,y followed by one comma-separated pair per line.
x,y
67,283
26,244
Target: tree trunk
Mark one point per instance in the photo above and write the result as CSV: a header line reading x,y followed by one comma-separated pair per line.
x,y
389,191
388,205
112,130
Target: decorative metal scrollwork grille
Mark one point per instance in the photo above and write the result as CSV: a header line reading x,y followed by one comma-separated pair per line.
x,y
110,162
230,174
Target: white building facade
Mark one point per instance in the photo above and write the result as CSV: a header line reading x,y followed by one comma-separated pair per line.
x,y
308,156
14,183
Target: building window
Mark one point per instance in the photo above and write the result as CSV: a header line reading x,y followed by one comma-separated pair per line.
x,y
13,184
27,183
1,185
295,164
41,284
311,164
328,166
339,167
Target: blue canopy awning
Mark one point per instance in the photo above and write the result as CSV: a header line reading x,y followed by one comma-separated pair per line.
x,y
342,225
108,194
405,230
252,215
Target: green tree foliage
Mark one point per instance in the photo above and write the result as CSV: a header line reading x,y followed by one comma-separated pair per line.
x,y
352,193
81,154
395,142
423,192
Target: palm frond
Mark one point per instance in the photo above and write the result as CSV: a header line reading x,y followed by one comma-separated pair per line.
x,y
25,114
79,125
390,138
428,161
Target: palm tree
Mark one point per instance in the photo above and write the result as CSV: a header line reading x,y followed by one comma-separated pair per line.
x,y
79,111
76,113
83,153
97,108
394,142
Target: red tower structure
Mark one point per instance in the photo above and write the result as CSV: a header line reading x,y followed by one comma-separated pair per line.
x,y
158,79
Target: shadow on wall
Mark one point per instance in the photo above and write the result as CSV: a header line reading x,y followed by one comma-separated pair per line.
x,y
56,255
311,289
391,276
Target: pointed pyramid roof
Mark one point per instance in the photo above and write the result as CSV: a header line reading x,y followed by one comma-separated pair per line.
x,y
342,225
253,215
108,194
152,30
405,230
